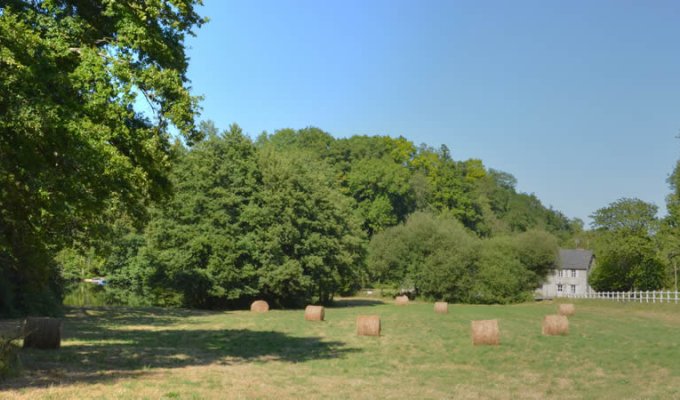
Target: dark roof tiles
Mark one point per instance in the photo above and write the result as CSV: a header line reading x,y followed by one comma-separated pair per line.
x,y
575,259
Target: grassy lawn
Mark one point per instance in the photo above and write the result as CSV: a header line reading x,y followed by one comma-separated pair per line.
x,y
613,351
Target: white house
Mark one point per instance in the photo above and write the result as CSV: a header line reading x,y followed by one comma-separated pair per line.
x,y
570,276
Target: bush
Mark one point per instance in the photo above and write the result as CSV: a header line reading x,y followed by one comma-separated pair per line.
x,y
9,358
500,277
446,262
435,253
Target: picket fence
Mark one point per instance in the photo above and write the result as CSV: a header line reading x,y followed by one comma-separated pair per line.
x,y
639,296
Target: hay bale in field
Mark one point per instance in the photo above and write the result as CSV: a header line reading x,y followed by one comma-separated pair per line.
x,y
566,309
401,300
42,333
259,306
315,313
555,325
441,307
368,325
485,332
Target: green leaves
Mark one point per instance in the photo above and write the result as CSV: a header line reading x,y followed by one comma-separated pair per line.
x,y
245,223
72,142
627,215
626,248
447,262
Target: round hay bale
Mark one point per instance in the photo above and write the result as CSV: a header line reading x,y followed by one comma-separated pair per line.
x,y
555,325
485,332
42,333
401,300
368,325
441,307
566,309
259,306
315,313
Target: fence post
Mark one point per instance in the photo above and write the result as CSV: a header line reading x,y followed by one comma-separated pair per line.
x,y
647,296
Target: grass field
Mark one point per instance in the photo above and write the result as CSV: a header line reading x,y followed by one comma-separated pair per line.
x,y
613,351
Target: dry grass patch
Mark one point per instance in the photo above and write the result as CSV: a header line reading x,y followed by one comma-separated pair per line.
x,y
608,354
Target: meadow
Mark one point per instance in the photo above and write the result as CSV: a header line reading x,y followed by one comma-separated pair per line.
x,y
613,350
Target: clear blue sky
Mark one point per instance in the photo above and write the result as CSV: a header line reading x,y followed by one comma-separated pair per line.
x,y
580,100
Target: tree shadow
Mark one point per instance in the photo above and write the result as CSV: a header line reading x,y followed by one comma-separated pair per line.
x,y
356,303
115,346
137,315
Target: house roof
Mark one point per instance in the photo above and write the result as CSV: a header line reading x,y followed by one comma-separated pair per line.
x,y
575,259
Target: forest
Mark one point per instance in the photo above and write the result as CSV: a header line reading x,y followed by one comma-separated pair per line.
x,y
176,212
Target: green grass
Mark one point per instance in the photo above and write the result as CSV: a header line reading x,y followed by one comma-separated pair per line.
x,y
613,350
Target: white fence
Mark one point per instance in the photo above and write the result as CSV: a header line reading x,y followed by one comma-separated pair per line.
x,y
639,296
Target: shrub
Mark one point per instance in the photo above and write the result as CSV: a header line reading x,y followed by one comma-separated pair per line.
x,y
9,358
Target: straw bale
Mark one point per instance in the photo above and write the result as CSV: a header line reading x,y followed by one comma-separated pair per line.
x,y
259,306
441,307
315,313
368,325
42,333
401,300
555,325
567,309
485,332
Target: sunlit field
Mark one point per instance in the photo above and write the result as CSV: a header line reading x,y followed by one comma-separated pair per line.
x,y
613,350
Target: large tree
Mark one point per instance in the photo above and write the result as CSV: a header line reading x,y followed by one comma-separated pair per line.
x,y
626,249
71,140
245,222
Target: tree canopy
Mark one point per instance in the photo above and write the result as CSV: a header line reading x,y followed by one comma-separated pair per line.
x,y
626,247
72,142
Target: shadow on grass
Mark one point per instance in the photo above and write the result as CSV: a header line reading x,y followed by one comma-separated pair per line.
x,y
99,347
356,303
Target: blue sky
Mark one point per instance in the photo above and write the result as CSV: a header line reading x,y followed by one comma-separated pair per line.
x,y
579,100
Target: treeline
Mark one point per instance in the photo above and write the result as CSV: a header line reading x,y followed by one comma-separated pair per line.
x,y
635,249
299,216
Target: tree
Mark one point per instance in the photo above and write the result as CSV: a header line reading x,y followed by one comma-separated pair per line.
x,y
443,260
71,138
630,215
308,244
436,254
246,222
626,262
625,246
452,184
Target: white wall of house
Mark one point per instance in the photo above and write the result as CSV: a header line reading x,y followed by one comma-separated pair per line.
x,y
565,282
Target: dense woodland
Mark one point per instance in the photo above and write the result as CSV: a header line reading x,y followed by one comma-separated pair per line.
x,y
211,218
299,216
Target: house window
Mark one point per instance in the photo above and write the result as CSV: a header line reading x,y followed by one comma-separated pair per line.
x,y
573,288
560,274
573,273
559,286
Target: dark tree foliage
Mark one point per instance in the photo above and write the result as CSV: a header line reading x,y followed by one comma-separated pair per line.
x,y
391,178
245,223
70,140
626,247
